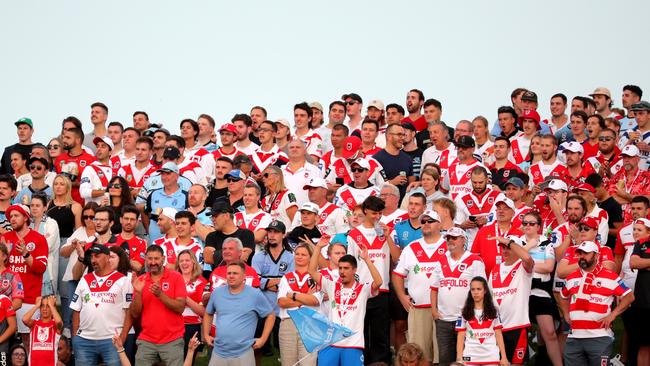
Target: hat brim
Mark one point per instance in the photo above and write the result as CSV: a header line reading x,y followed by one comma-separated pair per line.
x,y
307,186
18,123
166,171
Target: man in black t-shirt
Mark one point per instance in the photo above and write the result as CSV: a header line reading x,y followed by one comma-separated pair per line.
x,y
397,164
25,130
222,218
219,188
609,205
411,147
308,219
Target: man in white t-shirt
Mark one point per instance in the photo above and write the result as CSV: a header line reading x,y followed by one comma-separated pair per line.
x,y
99,307
253,217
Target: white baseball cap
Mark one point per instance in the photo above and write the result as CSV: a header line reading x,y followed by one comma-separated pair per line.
x,y
643,221
432,214
362,162
630,150
557,185
169,212
456,232
507,201
588,247
316,183
310,206
572,146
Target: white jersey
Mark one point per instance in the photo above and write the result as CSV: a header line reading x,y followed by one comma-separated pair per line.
x,y
480,339
248,150
348,308
262,159
332,220
121,160
378,253
394,218
278,204
451,279
347,197
416,265
193,171
603,223
101,303
458,178
540,254
313,142
299,283
626,240
486,152
340,168
444,158
511,289
332,275
204,158
172,248
295,181
259,220
96,176
132,173
539,171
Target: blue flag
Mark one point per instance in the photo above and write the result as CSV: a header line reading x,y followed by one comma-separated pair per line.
x,y
316,331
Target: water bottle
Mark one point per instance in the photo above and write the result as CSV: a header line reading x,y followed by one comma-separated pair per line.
x,y
379,230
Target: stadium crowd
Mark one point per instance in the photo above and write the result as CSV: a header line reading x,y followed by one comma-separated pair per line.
x,y
484,244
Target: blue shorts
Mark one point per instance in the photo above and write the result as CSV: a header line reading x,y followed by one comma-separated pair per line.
x,y
340,356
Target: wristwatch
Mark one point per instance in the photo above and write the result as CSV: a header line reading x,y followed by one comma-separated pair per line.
x,y
293,296
26,255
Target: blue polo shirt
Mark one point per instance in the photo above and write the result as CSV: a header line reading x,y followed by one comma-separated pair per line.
x,y
268,268
236,317
404,233
204,219
159,199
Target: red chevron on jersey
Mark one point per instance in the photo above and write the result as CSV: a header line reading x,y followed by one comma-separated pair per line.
x,y
499,283
198,155
447,272
459,178
483,205
105,286
189,167
252,226
100,173
520,152
262,159
219,153
359,238
325,211
519,215
485,324
422,256
342,171
298,282
272,206
349,302
130,177
116,164
538,174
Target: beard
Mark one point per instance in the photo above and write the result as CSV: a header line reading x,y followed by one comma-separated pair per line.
x,y
584,264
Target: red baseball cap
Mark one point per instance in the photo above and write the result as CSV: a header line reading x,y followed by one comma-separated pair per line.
x,y
584,187
351,146
530,114
590,221
228,127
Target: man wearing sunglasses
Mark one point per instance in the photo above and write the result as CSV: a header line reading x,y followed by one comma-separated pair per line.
x,y
351,195
578,167
236,180
608,155
170,195
38,168
353,108
416,264
94,180
587,231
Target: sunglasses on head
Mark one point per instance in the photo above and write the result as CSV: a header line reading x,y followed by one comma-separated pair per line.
x,y
427,221
357,170
529,223
36,167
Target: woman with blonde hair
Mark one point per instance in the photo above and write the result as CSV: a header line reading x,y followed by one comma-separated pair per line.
x,y
189,267
410,354
484,143
279,202
429,185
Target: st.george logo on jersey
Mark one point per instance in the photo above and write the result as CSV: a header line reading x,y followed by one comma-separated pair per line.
x,y
43,334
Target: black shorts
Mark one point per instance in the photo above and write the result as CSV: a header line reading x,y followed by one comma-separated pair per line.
x,y
637,323
542,306
516,344
396,310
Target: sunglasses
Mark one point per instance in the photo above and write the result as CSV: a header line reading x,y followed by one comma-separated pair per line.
x,y
50,147
605,138
88,217
266,175
264,130
529,223
231,180
352,102
357,170
584,228
427,221
36,167
115,185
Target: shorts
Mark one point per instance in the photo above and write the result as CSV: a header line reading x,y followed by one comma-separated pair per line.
x,y
396,310
336,356
22,328
542,306
637,323
516,344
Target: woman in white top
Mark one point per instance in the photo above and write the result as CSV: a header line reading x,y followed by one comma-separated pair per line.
x,y
49,228
484,143
429,185
542,305
279,202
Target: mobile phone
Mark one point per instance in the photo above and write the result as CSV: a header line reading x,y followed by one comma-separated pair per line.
x,y
339,181
472,218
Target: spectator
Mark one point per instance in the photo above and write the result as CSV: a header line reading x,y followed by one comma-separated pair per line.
x,y
73,160
39,179
414,103
45,331
219,188
224,227
237,307
625,245
391,214
55,148
25,131
348,196
397,165
298,172
160,301
336,116
268,153
630,181
442,152
457,179
232,252
354,106
64,352
412,149
170,195
369,133
331,219
27,257
515,189
279,202
47,227
228,136
639,261
7,193
184,222
244,126
94,180
484,143
432,113
409,229
308,228
549,166
141,169
135,246
339,135
98,117
253,217
99,307
191,270
410,354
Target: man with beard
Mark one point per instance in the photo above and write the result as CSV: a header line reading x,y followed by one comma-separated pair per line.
x,y
331,219
99,305
591,338
338,135
631,95
550,164
104,217
515,189
228,136
244,126
219,187
170,195
222,215
398,165
640,134
502,169
608,155
73,160
159,300
335,116
410,147
578,167
141,169
603,99
94,180
630,181
458,178
135,247
587,231
414,103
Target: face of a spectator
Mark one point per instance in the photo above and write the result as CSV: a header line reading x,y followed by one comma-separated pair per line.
x,y
642,118
37,209
98,115
154,262
639,210
185,263
500,150
587,233
187,131
529,126
548,149
296,149
336,114
17,220
602,102
630,163
586,260
465,153
409,136
235,185
17,162
102,224
128,140
372,215
395,137
480,129
479,183
338,136
514,193
606,142
415,207
168,179
265,133
140,122
455,244
99,261
316,117
438,134
235,276
369,133
428,183
389,198
413,102
183,227
335,252
258,116
517,103
165,224
37,170
54,148
205,128
159,139
70,140
640,231
374,113
574,211
142,152
432,113
242,130
462,129
88,219
196,196
557,106
572,158
352,107
536,146
628,99
593,128
577,105
346,272
530,225
301,118
359,174
230,252
527,104
113,261
477,290
504,213
222,168
24,132
283,131
251,198
393,116
429,226
129,220
506,122
308,218
357,217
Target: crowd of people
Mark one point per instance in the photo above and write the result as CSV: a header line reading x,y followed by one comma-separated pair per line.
x,y
474,245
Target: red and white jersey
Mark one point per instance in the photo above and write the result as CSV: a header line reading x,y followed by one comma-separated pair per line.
x,y
470,204
331,220
326,161
341,169
591,295
313,142
539,171
458,178
416,265
519,149
511,289
589,166
136,177
347,197
195,292
196,153
444,158
348,308
172,248
332,275
262,159
480,339
192,171
277,205
519,215
43,342
625,246
299,283
603,227
74,165
219,153
248,150
296,180
120,159
116,163
397,216
95,177
101,303
371,151
571,256
136,247
637,186
451,279
486,152
259,220
218,277
378,253
161,241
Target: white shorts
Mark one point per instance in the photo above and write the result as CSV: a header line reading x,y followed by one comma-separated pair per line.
x,y
22,328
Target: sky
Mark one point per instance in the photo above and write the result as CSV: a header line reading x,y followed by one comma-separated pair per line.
x,y
177,60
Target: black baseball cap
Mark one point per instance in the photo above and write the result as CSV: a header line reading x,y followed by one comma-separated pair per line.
x,y
171,153
465,141
277,226
220,206
353,96
99,249
409,126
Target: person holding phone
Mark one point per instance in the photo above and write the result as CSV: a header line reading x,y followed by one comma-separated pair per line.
x,y
296,289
